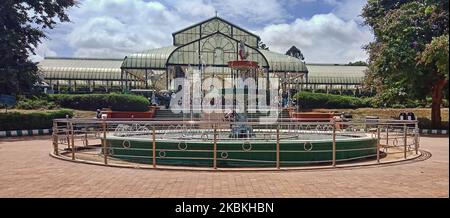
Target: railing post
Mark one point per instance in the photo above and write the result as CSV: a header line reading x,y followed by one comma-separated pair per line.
x,y
55,138
416,136
215,147
154,147
86,142
334,143
378,143
67,132
72,140
387,135
405,140
278,147
105,150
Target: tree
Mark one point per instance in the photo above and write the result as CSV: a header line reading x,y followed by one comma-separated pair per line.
x,y
402,59
295,52
22,25
436,56
263,46
357,63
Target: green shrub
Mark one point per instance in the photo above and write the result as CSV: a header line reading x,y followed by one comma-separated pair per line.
x,y
36,120
425,123
398,106
117,102
36,103
445,103
310,100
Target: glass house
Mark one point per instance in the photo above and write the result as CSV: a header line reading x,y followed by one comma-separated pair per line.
x,y
208,46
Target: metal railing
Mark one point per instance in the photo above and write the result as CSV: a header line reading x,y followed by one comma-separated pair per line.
x,y
89,140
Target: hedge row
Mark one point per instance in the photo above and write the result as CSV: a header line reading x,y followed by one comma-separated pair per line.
x,y
117,102
36,120
36,103
310,100
425,123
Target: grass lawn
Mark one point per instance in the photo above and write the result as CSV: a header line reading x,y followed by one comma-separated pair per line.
x,y
77,113
388,113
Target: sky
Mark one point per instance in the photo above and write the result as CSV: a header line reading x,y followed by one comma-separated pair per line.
x,y
326,31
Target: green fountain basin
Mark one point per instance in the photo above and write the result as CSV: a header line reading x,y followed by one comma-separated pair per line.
x,y
309,149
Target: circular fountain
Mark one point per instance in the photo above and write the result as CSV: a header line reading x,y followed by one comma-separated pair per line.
x,y
186,145
237,142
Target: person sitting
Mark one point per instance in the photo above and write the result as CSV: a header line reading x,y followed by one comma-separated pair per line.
x,y
99,114
402,116
411,116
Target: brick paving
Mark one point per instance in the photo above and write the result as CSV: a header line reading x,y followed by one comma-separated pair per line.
x,y
27,170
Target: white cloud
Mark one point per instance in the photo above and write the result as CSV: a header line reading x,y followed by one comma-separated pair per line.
x,y
324,38
194,8
257,11
253,11
349,9
115,28
42,50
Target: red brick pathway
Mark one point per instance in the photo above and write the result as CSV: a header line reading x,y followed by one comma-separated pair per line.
x,y
27,170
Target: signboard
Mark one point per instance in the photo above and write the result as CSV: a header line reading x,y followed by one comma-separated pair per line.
x,y
7,100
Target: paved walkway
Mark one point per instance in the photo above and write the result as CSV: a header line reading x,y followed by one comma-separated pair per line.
x,y
26,170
